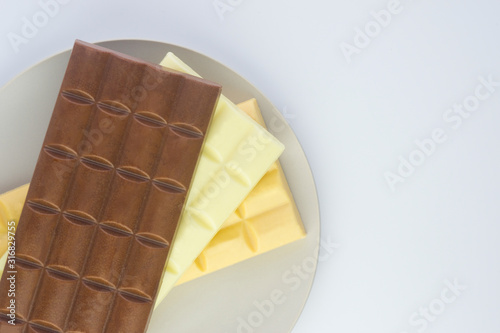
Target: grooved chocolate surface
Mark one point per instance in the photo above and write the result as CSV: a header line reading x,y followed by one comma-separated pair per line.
x,y
106,195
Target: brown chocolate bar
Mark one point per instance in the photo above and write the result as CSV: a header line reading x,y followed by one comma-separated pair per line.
x,y
106,195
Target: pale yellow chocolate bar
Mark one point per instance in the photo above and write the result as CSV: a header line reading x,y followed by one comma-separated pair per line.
x,y
237,153
267,219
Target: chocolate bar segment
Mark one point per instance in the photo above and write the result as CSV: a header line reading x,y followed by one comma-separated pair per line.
x,y
107,193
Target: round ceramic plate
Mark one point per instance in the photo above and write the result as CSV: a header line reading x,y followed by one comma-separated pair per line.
x,y
262,294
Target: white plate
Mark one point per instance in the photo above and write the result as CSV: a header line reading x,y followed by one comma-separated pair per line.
x,y
263,294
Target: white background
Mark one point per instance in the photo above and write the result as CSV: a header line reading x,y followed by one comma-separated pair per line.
x,y
356,117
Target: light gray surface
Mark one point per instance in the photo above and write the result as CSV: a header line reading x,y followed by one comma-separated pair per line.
x,y
354,120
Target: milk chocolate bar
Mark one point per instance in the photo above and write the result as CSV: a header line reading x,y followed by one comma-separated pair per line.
x,y
106,195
